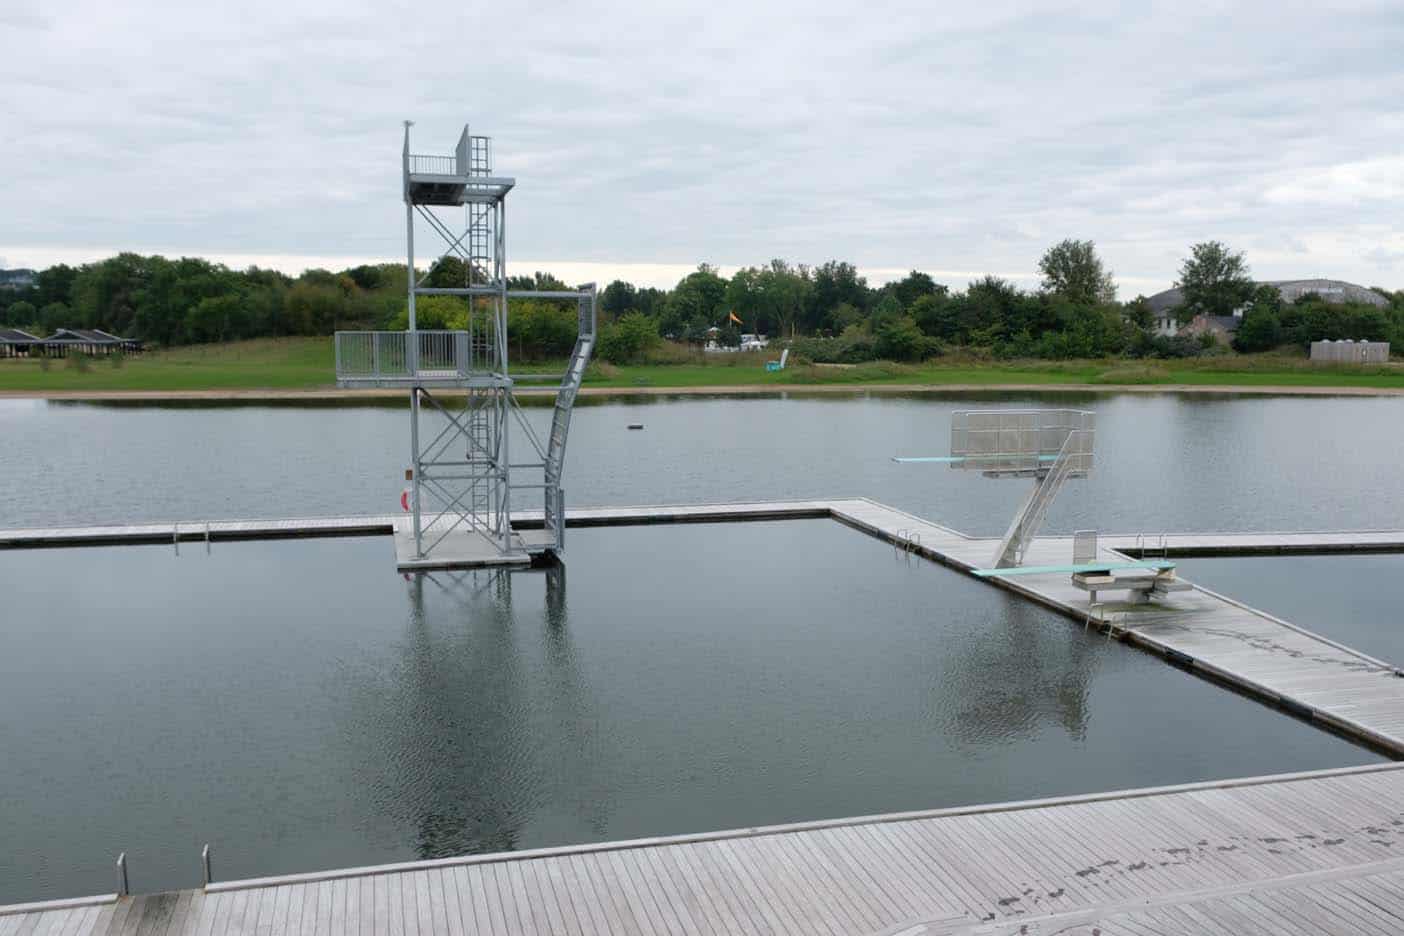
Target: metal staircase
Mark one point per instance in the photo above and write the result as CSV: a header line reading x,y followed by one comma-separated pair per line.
x,y
560,418
1073,459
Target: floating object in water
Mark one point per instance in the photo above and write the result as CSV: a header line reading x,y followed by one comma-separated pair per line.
x,y
635,425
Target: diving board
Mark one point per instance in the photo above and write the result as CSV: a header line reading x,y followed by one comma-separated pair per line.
x,y
1157,565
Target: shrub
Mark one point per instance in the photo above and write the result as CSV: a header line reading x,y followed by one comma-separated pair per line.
x,y
902,340
1260,331
626,340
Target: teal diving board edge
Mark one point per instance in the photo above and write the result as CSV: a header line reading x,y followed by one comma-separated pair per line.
x,y
1160,565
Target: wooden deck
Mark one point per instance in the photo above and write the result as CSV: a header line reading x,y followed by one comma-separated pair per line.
x,y
1306,853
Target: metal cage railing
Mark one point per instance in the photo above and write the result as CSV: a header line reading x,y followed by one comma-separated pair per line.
x,y
400,355
1021,442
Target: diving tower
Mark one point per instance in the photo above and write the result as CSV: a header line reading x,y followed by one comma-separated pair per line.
x,y
1051,446
462,475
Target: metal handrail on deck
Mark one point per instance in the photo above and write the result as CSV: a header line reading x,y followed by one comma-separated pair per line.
x,y
392,355
433,165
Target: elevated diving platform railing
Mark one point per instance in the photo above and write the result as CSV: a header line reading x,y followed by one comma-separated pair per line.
x,y
381,358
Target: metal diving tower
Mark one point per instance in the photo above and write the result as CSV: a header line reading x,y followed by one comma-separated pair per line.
x,y
462,476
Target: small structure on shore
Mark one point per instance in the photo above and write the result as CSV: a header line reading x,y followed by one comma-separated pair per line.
x,y
16,342
1346,351
91,341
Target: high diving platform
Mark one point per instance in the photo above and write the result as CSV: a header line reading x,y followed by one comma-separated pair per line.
x,y
473,454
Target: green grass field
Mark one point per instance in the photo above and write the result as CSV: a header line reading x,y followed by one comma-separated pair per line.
x,y
307,364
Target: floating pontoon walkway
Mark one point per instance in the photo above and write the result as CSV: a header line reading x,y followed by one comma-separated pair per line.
x,y
1304,853
1170,545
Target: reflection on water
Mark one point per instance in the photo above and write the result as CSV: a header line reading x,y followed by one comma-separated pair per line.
x,y
1016,679
300,705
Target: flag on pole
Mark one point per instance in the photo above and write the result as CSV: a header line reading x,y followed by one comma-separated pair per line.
x,y
732,317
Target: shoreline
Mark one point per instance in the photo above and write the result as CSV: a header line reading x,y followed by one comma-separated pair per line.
x,y
320,394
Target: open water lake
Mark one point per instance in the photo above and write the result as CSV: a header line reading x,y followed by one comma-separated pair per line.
x,y
300,705
1164,462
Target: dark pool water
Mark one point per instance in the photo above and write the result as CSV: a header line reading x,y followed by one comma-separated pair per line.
x,y
1165,462
299,705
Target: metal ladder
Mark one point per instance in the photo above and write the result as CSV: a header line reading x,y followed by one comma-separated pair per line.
x,y
1071,458
479,457
560,419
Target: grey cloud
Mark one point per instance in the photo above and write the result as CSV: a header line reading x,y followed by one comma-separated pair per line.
x,y
895,136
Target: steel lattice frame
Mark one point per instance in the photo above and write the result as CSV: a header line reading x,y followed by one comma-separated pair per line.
x,y
461,479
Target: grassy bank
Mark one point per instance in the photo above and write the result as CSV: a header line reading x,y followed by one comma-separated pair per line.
x,y
307,364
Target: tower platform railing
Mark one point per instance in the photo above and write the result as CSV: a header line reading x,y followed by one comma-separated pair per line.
x,y
396,358
426,164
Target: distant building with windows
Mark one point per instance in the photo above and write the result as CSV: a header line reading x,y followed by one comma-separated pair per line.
x,y
1164,305
17,279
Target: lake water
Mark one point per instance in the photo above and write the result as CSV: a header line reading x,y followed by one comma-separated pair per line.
x,y
1165,462
300,706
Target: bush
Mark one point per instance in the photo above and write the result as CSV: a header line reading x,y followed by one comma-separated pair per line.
x,y
1260,331
902,340
854,346
625,341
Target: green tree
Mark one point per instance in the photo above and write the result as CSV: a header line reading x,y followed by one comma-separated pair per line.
x,y
23,313
699,299
887,311
1072,269
936,316
843,316
51,318
54,284
1214,281
784,291
618,297
1138,312
835,283
913,286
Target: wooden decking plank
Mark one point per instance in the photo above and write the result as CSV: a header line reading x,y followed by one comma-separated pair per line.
x,y
622,912
757,889
500,892
890,895
635,863
680,891
587,907
543,898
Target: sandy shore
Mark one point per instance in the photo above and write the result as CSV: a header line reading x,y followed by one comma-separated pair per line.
x,y
334,393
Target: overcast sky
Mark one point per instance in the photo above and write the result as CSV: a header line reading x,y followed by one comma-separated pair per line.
x,y
958,141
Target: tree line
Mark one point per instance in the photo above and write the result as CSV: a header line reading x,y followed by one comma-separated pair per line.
x,y
829,312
